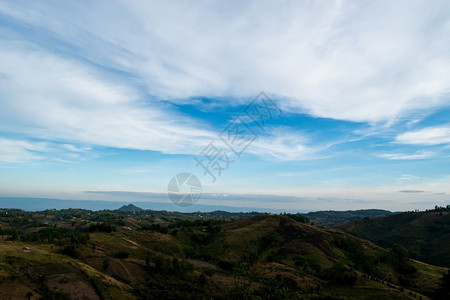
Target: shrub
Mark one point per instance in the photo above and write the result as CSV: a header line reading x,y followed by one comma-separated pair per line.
x,y
101,227
122,254
159,262
120,278
105,265
299,218
226,265
340,274
70,250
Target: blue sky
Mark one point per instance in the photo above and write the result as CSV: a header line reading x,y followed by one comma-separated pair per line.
x,y
106,96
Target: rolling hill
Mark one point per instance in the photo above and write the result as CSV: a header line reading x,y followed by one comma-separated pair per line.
x,y
332,217
80,254
426,234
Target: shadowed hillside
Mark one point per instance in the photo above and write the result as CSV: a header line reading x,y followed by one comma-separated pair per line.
x,y
426,235
332,217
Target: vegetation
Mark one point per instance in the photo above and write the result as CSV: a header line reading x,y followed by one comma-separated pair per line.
x,y
425,235
101,227
329,217
56,235
137,255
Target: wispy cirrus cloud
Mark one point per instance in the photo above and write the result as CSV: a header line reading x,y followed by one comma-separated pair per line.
x,y
330,59
436,135
16,151
72,102
403,156
284,144
24,151
74,148
408,177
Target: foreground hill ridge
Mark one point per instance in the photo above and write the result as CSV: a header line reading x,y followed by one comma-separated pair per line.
x,y
138,255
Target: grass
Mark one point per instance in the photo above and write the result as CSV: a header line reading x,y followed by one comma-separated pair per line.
x,y
282,253
14,259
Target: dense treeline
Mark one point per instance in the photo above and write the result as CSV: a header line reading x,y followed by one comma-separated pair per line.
x,y
57,235
11,232
298,217
101,227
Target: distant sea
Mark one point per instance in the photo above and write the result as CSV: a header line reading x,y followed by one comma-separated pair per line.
x,y
39,204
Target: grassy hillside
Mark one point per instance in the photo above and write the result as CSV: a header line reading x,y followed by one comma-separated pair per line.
x,y
426,235
40,272
329,218
266,256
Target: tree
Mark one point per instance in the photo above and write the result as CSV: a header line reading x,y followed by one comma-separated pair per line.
x,y
175,265
243,275
29,295
402,263
122,254
400,252
105,264
159,262
340,274
14,235
444,290
70,250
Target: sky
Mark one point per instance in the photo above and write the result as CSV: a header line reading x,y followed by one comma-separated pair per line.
x,y
338,104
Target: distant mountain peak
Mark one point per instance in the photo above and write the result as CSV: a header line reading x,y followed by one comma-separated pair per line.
x,y
130,208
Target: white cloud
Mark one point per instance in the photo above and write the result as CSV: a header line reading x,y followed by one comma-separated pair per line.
x,y
408,177
284,144
74,148
401,156
69,102
364,61
426,136
79,76
23,151
15,151
54,99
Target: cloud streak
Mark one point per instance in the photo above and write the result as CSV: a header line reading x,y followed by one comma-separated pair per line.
x,y
401,156
21,151
427,136
14,151
71,102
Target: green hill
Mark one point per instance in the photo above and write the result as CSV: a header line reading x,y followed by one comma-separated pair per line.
x,y
112,255
426,235
332,217
321,255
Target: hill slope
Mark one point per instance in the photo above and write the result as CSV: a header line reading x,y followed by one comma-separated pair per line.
x,y
333,217
426,235
321,254
266,256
